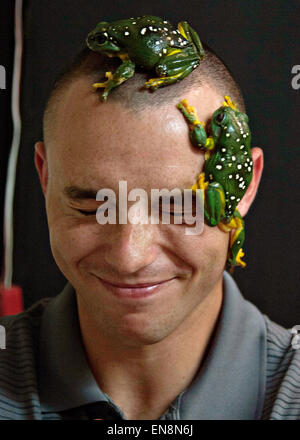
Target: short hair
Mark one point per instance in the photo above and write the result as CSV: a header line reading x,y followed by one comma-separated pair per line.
x,y
132,93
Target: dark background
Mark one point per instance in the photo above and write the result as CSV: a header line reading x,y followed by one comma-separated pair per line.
x,y
259,41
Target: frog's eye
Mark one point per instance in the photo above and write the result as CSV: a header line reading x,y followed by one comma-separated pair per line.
x,y
100,39
220,118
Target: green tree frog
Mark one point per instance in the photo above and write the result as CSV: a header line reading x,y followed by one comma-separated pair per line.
x,y
227,169
149,42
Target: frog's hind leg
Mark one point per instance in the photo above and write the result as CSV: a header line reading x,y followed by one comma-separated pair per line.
x,y
214,199
236,252
191,35
214,203
174,67
121,74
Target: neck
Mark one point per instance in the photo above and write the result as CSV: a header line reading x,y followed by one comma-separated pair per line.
x,y
144,379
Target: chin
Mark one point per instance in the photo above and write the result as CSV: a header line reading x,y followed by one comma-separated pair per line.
x,y
139,330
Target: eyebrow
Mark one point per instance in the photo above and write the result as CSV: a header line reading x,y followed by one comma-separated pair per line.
x,y
77,193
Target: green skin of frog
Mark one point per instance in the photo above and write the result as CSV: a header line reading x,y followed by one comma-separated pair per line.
x,y
227,170
151,43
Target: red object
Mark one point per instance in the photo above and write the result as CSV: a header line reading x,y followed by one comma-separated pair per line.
x,y
11,300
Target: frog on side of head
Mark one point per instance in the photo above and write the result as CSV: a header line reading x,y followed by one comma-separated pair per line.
x,y
151,43
227,169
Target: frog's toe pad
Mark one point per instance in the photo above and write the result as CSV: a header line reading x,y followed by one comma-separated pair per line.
x,y
229,103
239,256
97,86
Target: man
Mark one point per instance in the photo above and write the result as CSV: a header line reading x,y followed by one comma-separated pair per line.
x,y
149,326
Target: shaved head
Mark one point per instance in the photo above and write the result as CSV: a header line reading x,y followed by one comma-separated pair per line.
x,y
211,72
140,138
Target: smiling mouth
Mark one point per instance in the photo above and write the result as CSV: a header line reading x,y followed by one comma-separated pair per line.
x,y
135,286
134,291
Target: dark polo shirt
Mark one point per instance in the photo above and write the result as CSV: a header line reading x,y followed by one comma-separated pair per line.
x,y
250,371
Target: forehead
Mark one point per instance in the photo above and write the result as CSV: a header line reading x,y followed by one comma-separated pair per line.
x,y
108,142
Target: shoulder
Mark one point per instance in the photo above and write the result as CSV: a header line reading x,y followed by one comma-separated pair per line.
x,y
18,365
282,401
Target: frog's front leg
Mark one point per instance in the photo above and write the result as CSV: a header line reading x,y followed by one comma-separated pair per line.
x,y
175,66
121,74
198,136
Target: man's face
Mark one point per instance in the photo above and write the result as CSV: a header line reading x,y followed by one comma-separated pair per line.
x,y
94,145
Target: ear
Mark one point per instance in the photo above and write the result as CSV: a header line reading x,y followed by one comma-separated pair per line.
x,y
40,160
258,164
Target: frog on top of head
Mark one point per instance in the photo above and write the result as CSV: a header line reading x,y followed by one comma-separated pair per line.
x,y
151,43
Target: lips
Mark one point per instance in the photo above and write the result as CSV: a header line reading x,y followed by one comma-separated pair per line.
x,y
134,291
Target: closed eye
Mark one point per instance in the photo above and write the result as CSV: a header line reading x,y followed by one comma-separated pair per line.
x,y
173,213
84,212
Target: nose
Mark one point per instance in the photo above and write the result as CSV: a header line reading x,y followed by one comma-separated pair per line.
x,y
131,248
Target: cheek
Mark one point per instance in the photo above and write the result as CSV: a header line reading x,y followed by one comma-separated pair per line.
x,y
71,239
74,241
204,252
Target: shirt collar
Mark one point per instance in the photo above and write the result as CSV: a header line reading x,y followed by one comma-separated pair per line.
x,y
65,379
230,383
